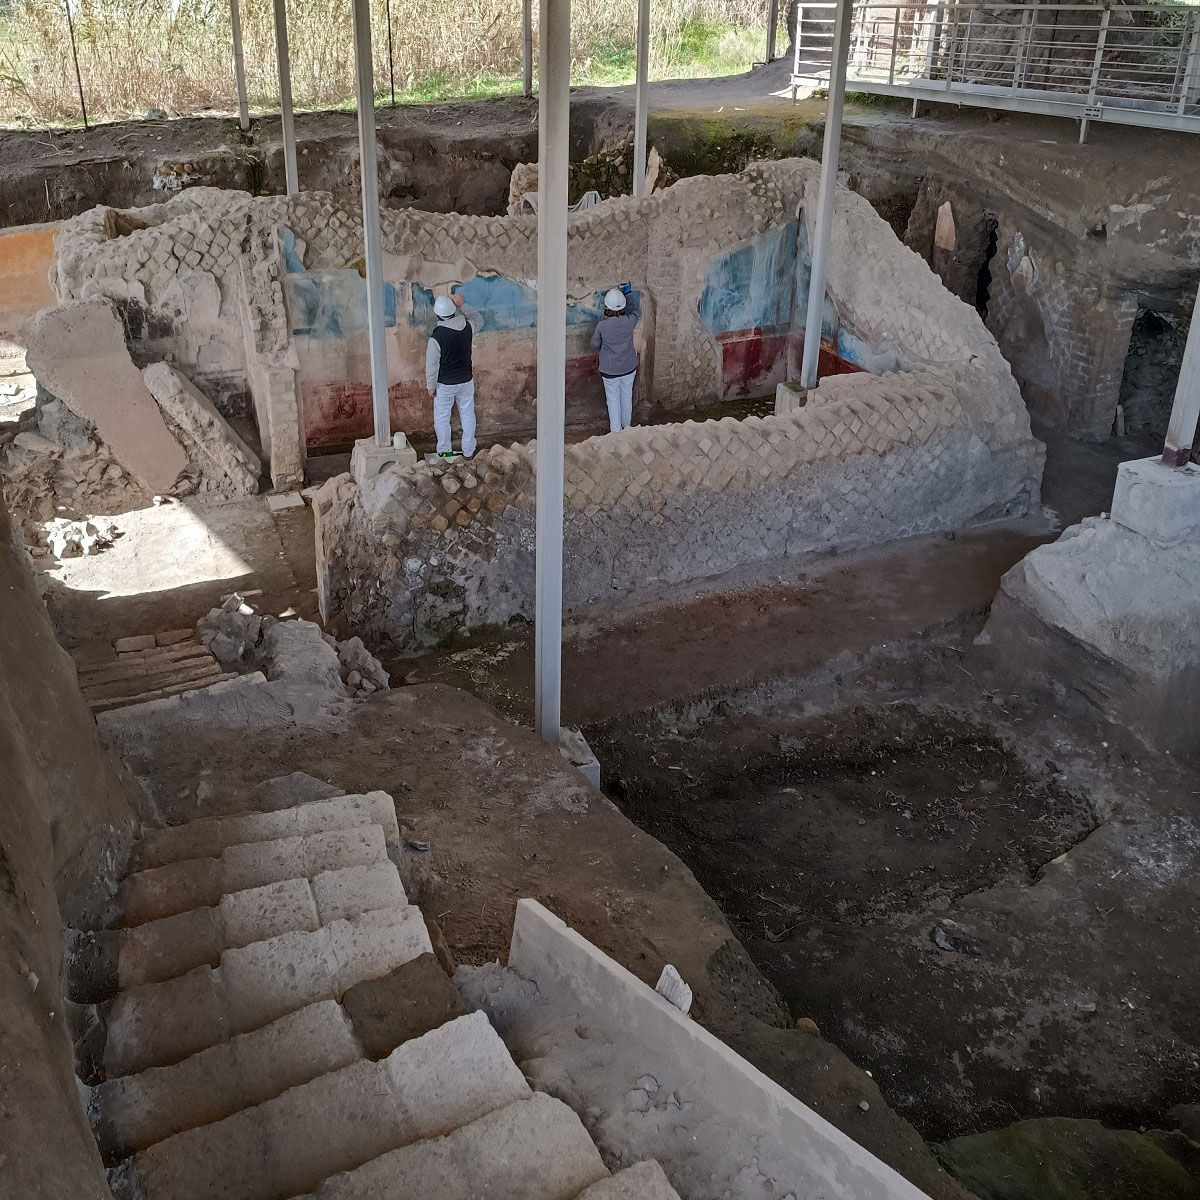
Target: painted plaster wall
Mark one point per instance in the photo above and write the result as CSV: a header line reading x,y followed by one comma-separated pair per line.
x,y
26,253
256,299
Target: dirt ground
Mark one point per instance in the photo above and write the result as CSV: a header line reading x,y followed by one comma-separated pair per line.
x,y
979,896
506,817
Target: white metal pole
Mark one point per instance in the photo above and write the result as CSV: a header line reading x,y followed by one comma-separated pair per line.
x,y
823,227
372,238
284,62
1185,414
239,65
554,101
527,44
641,108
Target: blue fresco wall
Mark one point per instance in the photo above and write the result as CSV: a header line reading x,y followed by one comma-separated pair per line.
x,y
752,287
505,304
328,302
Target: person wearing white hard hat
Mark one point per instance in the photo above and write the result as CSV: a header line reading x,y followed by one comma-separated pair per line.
x,y
449,376
618,354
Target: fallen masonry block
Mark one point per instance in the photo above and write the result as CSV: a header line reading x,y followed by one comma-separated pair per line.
x,y
225,463
78,354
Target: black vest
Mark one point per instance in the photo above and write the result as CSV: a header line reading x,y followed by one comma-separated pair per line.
x,y
455,345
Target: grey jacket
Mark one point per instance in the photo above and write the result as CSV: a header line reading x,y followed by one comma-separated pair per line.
x,y
614,339
433,352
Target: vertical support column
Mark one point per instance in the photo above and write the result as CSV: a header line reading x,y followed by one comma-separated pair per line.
x,y
641,113
895,46
1181,433
372,238
772,28
284,62
527,44
554,101
1189,90
239,64
1097,62
822,232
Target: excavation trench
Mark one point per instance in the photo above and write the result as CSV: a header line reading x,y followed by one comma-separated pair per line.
x,y
839,847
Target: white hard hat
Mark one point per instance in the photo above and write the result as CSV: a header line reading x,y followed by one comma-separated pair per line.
x,y
443,306
614,300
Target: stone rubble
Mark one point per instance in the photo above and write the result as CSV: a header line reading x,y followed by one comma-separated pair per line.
x,y
242,640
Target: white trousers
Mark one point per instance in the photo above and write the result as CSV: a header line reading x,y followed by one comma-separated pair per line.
x,y
444,400
618,394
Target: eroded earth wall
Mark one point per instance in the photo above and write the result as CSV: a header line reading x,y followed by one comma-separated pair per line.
x,y
66,820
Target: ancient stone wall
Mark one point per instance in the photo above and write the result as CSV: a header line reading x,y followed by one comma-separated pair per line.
x,y
1065,334
414,556
933,437
262,301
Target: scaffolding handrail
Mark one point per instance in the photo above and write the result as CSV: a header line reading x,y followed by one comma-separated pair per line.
x,y
1129,63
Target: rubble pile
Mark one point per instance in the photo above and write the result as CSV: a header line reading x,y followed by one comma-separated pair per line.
x,y
54,466
242,640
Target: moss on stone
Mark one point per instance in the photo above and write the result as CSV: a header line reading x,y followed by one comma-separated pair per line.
x,y
1057,1158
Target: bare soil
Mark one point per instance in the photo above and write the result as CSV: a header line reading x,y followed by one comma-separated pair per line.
x,y
844,819
980,896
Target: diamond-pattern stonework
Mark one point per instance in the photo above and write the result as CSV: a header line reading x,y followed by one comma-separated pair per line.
x,y
869,459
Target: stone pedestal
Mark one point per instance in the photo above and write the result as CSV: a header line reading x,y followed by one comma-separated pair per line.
x,y
788,398
1159,502
1109,613
367,458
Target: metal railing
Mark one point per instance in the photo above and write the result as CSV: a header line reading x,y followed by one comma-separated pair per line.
x,y
1132,64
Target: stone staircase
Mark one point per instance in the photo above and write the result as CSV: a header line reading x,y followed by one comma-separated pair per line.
x,y
283,1028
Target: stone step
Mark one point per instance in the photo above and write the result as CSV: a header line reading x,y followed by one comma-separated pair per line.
x,y
132,1112
643,1181
201,882
336,1122
170,946
534,1149
208,837
162,1023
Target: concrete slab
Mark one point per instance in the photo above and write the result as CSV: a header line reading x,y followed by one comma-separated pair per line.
x,y
586,985
367,459
278,501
